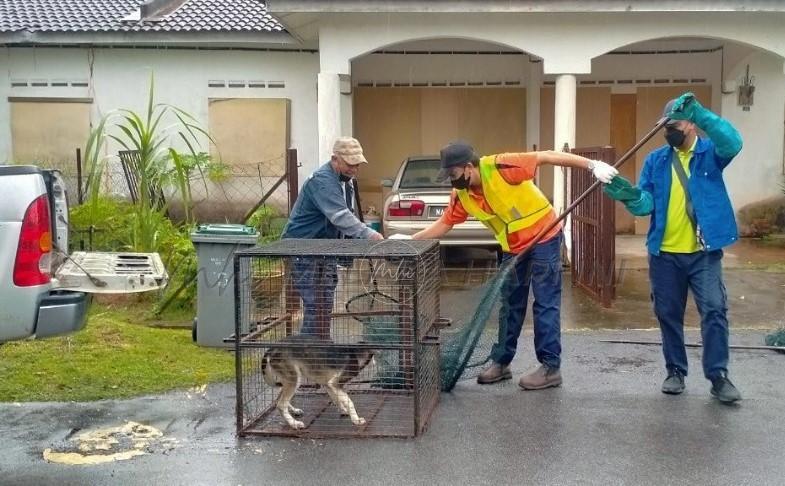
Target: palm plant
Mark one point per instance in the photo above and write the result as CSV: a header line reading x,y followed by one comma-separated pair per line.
x,y
152,135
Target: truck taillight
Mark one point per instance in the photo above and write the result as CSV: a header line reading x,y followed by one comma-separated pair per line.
x,y
33,255
406,207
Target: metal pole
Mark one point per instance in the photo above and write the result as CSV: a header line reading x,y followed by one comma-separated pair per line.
x,y
292,176
780,349
594,186
79,195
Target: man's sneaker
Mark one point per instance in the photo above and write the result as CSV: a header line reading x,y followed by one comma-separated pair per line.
x,y
494,373
674,383
542,377
723,390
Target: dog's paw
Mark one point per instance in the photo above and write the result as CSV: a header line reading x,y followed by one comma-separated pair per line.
x,y
359,421
297,425
297,412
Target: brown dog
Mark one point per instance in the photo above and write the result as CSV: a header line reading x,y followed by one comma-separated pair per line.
x,y
330,367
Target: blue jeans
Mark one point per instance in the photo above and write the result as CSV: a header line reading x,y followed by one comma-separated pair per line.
x,y
315,279
671,274
540,269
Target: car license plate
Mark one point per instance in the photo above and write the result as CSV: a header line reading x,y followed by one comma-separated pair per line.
x,y
436,211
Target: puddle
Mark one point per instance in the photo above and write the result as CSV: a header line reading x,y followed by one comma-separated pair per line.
x,y
108,445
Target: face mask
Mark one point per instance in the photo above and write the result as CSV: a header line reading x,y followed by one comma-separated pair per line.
x,y
344,178
674,137
461,183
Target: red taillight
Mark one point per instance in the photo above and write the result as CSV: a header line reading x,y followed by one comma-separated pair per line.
x,y
406,207
33,255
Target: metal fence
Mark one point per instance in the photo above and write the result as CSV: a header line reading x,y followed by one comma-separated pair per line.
x,y
231,198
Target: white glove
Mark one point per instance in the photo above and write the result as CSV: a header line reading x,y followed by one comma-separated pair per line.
x,y
602,171
398,236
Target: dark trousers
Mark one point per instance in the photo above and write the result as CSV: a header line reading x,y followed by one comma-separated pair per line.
x,y
315,279
671,275
539,270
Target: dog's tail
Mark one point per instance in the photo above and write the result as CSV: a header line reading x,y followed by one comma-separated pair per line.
x,y
267,372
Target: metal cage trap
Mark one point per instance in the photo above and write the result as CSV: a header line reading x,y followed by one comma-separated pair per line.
x,y
337,338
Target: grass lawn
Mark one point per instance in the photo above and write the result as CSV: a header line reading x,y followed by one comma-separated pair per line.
x,y
112,357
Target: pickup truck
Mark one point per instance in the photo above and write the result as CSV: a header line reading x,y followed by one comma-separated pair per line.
x,y
44,291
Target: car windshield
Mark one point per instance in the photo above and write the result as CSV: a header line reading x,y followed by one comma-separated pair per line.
x,y
421,173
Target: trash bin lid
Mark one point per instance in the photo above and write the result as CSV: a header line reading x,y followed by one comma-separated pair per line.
x,y
224,233
226,229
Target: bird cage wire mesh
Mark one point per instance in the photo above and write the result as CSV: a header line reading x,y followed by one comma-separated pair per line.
x,y
337,338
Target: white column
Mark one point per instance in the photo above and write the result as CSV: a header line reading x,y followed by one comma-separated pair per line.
x,y
329,110
533,106
563,130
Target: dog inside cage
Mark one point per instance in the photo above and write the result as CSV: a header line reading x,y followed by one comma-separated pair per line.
x,y
337,338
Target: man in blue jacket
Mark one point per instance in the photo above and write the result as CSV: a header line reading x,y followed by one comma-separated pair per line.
x,y
689,227
325,210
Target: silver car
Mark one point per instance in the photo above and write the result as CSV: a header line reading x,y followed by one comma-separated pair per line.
x,y
416,200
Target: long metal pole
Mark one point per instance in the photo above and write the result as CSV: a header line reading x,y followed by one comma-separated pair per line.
x,y
594,186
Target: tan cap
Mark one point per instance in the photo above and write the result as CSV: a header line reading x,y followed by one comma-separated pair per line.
x,y
350,150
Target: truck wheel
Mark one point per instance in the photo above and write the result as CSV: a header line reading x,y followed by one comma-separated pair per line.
x,y
193,330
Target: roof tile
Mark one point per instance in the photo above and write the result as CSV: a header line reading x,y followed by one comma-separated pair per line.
x,y
107,15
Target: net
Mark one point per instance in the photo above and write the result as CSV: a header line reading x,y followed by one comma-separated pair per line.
x,y
777,338
467,347
379,314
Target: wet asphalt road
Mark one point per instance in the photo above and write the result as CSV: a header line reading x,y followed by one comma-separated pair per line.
x,y
608,424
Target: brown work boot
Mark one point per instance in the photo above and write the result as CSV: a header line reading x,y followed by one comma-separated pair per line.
x,y
542,377
495,372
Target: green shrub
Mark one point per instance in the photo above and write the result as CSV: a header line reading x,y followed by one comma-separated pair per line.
x,y
268,222
111,223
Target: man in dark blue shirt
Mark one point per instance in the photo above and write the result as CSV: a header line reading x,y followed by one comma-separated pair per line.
x,y
324,210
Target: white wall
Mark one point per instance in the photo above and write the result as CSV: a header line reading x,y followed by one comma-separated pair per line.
x,y
120,79
756,173
566,42
5,108
421,68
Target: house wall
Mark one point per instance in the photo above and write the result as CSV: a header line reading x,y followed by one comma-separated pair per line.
x,y
395,123
444,68
757,172
119,78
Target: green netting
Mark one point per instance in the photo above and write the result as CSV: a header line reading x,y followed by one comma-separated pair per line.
x,y
777,338
465,346
380,329
468,346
